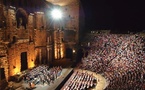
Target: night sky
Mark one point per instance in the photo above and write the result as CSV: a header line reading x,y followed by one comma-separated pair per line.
x,y
116,15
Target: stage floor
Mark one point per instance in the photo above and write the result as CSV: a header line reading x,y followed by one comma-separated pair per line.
x,y
55,84
101,85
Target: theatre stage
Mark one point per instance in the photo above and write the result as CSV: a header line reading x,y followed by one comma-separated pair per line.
x,y
57,85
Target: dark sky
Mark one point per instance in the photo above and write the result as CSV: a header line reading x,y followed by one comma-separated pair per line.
x,y
117,15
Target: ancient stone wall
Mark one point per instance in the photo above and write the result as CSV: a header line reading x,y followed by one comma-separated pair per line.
x,y
3,58
14,57
31,21
1,35
33,47
72,15
11,19
39,21
58,44
40,38
36,41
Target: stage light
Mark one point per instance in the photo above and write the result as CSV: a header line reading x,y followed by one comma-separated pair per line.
x,y
74,51
56,14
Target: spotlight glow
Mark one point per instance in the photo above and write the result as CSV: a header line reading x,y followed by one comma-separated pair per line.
x,y
56,14
74,51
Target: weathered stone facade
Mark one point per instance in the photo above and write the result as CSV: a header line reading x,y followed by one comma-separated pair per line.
x,y
15,41
40,46
14,56
3,59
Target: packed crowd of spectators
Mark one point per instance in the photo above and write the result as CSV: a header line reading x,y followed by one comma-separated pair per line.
x,y
42,75
80,80
119,57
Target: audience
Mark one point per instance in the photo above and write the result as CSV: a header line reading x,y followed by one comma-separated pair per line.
x,y
120,58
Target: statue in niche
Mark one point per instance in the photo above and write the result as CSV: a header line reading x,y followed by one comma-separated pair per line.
x,y
21,17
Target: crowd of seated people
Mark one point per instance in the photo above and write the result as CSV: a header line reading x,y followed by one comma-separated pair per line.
x,y
131,80
80,80
118,57
43,75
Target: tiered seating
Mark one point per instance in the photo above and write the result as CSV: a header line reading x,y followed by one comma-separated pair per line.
x,y
42,75
119,57
80,80
124,80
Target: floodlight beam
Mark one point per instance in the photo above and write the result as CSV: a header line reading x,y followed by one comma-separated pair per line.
x,y
56,14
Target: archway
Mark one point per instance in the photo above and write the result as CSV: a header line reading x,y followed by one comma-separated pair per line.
x,y
21,17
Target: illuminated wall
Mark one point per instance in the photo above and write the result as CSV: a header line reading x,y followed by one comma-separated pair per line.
x,y
39,21
32,41
31,21
14,57
50,55
36,41
11,20
58,44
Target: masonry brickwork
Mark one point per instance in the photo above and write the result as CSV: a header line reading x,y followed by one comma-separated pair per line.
x,y
40,44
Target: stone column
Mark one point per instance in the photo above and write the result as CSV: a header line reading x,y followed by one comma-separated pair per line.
x,y
40,61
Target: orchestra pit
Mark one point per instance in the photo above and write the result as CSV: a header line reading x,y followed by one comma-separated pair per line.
x,y
42,49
